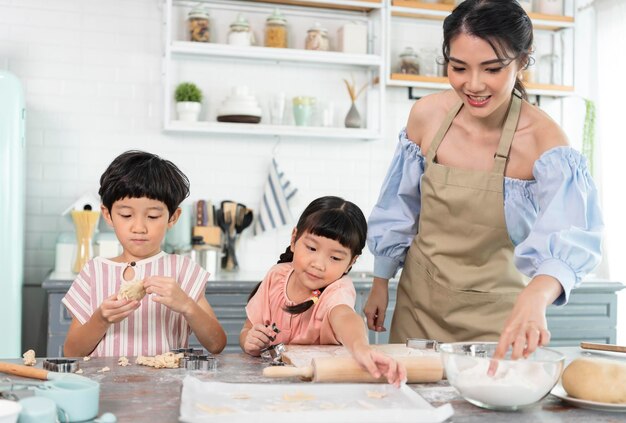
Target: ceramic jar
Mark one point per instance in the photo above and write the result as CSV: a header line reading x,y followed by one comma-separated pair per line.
x,y
199,25
240,33
276,30
409,62
317,38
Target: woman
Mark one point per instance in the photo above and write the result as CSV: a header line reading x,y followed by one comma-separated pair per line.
x,y
483,189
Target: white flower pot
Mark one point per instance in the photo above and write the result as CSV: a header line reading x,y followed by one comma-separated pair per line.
x,y
188,111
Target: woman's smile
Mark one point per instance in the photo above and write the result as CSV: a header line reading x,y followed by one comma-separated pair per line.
x,y
478,101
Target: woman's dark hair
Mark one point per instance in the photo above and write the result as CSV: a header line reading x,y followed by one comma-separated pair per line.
x,y
333,218
501,23
136,174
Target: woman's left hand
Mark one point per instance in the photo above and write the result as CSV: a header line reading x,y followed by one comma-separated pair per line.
x,y
168,292
527,328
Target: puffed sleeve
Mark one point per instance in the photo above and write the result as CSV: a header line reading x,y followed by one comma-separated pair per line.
x,y
393,222
565,241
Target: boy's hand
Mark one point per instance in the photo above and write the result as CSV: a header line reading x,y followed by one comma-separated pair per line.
x,y
379,364
113,310
258,337
169,293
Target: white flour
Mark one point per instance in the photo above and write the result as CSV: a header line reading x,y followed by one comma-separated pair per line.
x,y
514,384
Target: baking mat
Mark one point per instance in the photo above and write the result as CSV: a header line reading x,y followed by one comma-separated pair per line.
x,y
358,403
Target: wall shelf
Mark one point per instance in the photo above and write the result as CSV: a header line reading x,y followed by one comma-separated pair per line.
x,y
362,5
441,83
274,70
270,130
436,11
183,49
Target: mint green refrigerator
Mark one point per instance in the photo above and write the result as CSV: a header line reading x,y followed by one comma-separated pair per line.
x,y
12,195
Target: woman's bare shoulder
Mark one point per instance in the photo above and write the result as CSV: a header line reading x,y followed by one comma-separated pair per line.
x,y
545,132
427,113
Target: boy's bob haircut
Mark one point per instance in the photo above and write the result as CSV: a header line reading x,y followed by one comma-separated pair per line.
x,y
136,174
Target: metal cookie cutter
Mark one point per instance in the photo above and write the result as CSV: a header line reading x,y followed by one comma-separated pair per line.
x,y
199,362
274,353
196,359
60,365
422,344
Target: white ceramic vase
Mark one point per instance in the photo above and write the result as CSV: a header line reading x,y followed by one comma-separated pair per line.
x,y
188,111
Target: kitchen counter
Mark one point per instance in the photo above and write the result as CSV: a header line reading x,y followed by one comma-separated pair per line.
x,y
590,315
143,394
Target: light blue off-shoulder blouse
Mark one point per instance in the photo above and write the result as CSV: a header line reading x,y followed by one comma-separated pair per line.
x,y
554,221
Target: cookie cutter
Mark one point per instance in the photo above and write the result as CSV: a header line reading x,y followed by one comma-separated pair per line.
x,y
199,362
422,344
274,353
196,359
61,365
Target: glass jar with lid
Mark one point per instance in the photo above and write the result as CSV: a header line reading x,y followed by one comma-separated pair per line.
x,y
409,62
276,30
199,25
317,38
240,33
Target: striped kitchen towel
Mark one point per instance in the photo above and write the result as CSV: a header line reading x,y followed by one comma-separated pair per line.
x,y
274,209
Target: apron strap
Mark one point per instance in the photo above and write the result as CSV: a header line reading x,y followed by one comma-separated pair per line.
x,y
508,131
432,150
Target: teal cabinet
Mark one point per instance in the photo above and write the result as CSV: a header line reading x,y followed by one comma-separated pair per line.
x,y
590,315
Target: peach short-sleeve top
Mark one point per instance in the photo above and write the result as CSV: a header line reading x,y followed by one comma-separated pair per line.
x,y
309,328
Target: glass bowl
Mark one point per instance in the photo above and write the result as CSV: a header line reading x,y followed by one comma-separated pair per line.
x,y
515,385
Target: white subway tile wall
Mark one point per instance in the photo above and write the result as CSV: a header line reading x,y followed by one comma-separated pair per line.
x,y
92,77
91,72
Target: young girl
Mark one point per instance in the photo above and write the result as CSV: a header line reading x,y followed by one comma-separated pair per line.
x,y
141,194
308,295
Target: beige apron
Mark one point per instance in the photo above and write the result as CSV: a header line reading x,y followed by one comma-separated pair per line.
x,y
459,282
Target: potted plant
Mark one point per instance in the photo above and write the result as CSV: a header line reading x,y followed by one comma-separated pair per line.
x,y
188,101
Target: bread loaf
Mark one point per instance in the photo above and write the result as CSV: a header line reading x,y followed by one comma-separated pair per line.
x,y
596,379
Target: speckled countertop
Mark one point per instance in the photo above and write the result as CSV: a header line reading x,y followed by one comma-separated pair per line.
x,y
143,394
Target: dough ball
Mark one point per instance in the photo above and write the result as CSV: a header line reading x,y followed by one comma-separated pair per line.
x,y
131,291
596,379
29,358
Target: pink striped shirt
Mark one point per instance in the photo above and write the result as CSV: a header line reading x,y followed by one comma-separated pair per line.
x,y
153,328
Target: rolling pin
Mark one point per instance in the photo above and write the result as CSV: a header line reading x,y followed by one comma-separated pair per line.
x,y
26,371
602,347
346,369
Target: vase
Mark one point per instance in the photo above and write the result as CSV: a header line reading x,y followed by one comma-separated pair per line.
x,y
353,118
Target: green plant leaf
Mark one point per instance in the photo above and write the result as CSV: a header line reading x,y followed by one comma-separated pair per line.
x,y
187,91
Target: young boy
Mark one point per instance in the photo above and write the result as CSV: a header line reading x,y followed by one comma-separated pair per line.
x,y
141,194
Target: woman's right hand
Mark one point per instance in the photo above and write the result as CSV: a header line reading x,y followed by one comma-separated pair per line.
x,y
376,305
258,337
113,310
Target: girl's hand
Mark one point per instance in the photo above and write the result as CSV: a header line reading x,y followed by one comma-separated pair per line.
x,y
259,336
169,293
113,310
379,364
